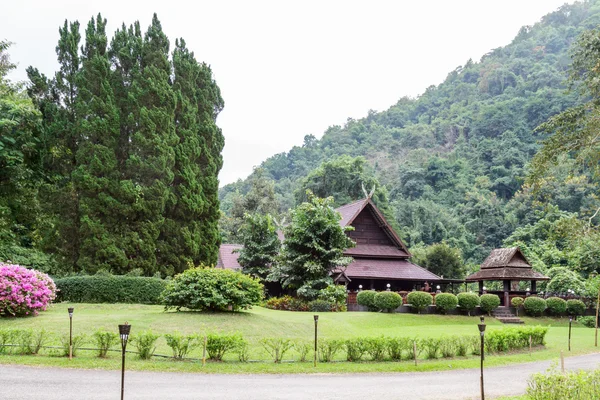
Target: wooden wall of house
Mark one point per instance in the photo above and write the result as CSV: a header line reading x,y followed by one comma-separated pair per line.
x,y
367,230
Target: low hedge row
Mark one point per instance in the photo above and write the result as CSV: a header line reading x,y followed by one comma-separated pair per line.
x,y
217,345
289,303
535,306
110,289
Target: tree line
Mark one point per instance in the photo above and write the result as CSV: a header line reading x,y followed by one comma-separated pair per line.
x,y
112,163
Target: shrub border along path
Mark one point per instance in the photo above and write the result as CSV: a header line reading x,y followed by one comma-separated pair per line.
x,y
270,323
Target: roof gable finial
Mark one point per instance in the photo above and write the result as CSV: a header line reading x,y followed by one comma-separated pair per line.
x,y
370,194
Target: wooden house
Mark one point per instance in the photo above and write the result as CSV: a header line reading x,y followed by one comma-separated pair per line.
x,y
380,258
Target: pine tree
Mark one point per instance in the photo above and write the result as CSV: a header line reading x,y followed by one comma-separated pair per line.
x,y
261,245
56,100
189,233
151,158
96,178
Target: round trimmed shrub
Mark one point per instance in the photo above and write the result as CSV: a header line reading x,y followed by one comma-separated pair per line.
x,y
556,305
387,300
534,306
575,307
212,289
489,302
517,302
419,300
590,322
468,301
24,291
367,298
445,302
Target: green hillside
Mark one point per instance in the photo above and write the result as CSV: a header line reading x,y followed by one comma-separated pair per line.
x,y
451,164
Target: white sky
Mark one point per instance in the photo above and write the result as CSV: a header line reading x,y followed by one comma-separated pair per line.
x,y
291,68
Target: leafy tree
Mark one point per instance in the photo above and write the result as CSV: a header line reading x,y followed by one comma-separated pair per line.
x,y
260,245
441,259
312,249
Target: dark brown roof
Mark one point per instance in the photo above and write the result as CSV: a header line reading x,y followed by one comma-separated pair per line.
x,y
509,263
350,211
227,258
388,269
498,274
374,250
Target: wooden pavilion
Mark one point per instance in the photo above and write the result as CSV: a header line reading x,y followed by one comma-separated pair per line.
x,y
509,266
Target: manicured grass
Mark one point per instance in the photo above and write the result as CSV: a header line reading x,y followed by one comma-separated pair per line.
x,y
260,323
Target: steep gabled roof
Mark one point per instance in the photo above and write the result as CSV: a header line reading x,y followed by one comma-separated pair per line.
x,y
506,264
349,212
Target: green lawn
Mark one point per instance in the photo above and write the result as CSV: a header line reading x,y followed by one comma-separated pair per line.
x,y
260,323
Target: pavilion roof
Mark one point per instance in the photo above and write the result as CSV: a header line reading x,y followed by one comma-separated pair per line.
x,y
506,264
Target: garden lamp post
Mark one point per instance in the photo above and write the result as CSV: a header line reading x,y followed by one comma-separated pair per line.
x,y
124,333
527,292
388,287
315,355
481,327
597,307
70,310
570,322
484,290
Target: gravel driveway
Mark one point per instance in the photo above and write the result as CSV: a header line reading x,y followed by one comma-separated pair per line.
x,y
21,382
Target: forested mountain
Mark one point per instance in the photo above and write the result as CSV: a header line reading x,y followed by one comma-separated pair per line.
x,y
451,165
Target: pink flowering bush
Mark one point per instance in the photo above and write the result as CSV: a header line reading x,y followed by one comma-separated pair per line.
x,y
24,291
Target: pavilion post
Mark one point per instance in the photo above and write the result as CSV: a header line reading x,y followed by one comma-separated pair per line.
x,y
506,293
480,287
533,288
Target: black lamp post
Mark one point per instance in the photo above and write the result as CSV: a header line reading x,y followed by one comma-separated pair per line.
x,y
570,322
124,333
315,355
481,327
70,310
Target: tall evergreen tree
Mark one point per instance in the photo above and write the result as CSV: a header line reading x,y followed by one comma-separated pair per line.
x,y
96,178
151,157
56,100
189,233
260,245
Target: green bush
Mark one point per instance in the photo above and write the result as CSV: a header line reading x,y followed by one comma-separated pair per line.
x,y
321,306
104,340
145,344
445,302
556,305
489,302
590,322
575,307
396,347
432,347
468,301
517,302
534,306
514,338
376,347
387,300
276,347
303,347
110,289
180,344
367,298
419,300
328,348
448,346
218,345
355,348
557,385
212,289
287,303
78,342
